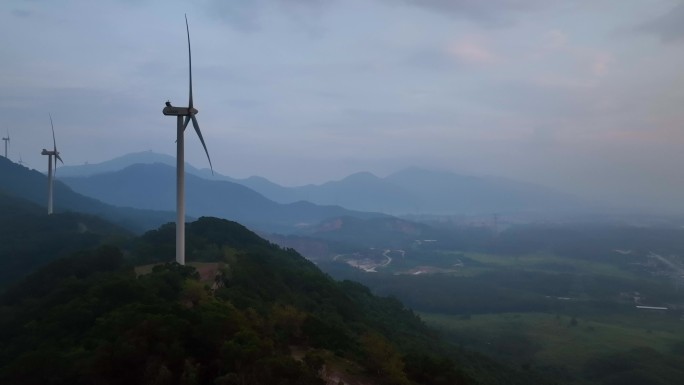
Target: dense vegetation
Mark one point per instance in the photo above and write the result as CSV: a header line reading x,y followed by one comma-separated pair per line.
x,y
264,315
29,238
558,299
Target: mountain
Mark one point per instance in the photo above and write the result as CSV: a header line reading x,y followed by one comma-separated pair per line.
x,y
256,183
362,191
31,185
410,191
450,193
273,191
420,191
264,315
152,186
119,163
29,238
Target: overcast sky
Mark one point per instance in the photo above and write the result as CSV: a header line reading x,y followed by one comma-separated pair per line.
x,y
583,96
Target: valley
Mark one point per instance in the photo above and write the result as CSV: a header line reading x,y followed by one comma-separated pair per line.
x,y
566,315
560,301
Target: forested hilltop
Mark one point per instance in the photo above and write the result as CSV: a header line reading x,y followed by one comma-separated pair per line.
x,y
249,313
29,238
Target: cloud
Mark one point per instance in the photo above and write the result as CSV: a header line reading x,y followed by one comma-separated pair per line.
x,y
478,6
306,2
242,15
22,13
669,27
556,39
430,59
564,82
601,64
471,52
247,16
491,12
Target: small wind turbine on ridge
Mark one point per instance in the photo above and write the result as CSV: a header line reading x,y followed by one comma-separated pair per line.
x,y
54,153
7,139
189,113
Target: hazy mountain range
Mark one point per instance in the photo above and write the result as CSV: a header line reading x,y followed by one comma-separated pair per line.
x,y
410,191
152,186
419,191
31,185
143,196
261,185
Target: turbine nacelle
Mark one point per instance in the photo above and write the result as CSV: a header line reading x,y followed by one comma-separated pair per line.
x,y
54,153
179,111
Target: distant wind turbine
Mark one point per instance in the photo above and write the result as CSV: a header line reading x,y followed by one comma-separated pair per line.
x,y
7,139
50,155
189,113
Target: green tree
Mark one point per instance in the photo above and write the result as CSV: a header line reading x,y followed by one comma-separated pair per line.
x,y
383,360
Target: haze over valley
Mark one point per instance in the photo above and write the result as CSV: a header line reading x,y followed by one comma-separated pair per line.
x,y
523,293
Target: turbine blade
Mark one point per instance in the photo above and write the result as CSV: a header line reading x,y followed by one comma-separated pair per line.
x,y
54,141
187,29
60,159
199,133
185,125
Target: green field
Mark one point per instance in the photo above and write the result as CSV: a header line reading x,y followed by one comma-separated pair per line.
x,y
474,263
554,340
548,262
568,339
572,319
596,337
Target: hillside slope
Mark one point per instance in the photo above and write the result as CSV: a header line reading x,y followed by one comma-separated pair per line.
x,y
29,238
270,317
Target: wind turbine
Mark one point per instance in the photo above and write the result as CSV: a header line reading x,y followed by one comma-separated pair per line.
x,y
189,113
7,139
50,155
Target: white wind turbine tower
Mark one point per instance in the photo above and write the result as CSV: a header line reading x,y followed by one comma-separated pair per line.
x,y
189,113
7,139
54,153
